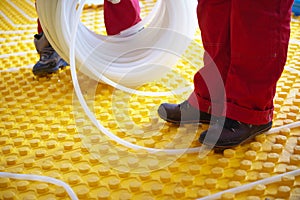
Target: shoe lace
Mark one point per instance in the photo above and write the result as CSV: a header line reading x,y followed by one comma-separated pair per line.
x,y
231,124
46,53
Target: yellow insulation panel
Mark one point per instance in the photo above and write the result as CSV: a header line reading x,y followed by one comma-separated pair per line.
x,y
44,131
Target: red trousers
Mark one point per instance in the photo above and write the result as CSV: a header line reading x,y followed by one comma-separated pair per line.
x,y
246,49
118,17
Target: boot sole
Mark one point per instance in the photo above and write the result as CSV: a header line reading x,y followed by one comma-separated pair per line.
x,y
43,73
187,122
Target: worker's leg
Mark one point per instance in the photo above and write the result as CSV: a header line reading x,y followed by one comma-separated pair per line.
x,y
39,27
49,61
120,16
259,41
208,95
213,18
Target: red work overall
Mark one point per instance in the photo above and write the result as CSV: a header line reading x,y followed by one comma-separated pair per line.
x,y
118,17
247,41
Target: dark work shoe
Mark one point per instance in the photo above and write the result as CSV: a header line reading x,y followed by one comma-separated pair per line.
x,y
49,61
182,113
231,133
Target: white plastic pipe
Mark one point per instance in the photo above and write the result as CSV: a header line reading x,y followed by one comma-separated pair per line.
x,y
45,179
88,111
127,59
248,187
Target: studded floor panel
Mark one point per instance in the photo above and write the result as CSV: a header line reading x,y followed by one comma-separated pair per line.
x,y
44,132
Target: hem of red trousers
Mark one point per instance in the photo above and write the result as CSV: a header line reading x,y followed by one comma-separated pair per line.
x,y
232,111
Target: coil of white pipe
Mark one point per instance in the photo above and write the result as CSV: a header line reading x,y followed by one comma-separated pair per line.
x,y
74,31
169,27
